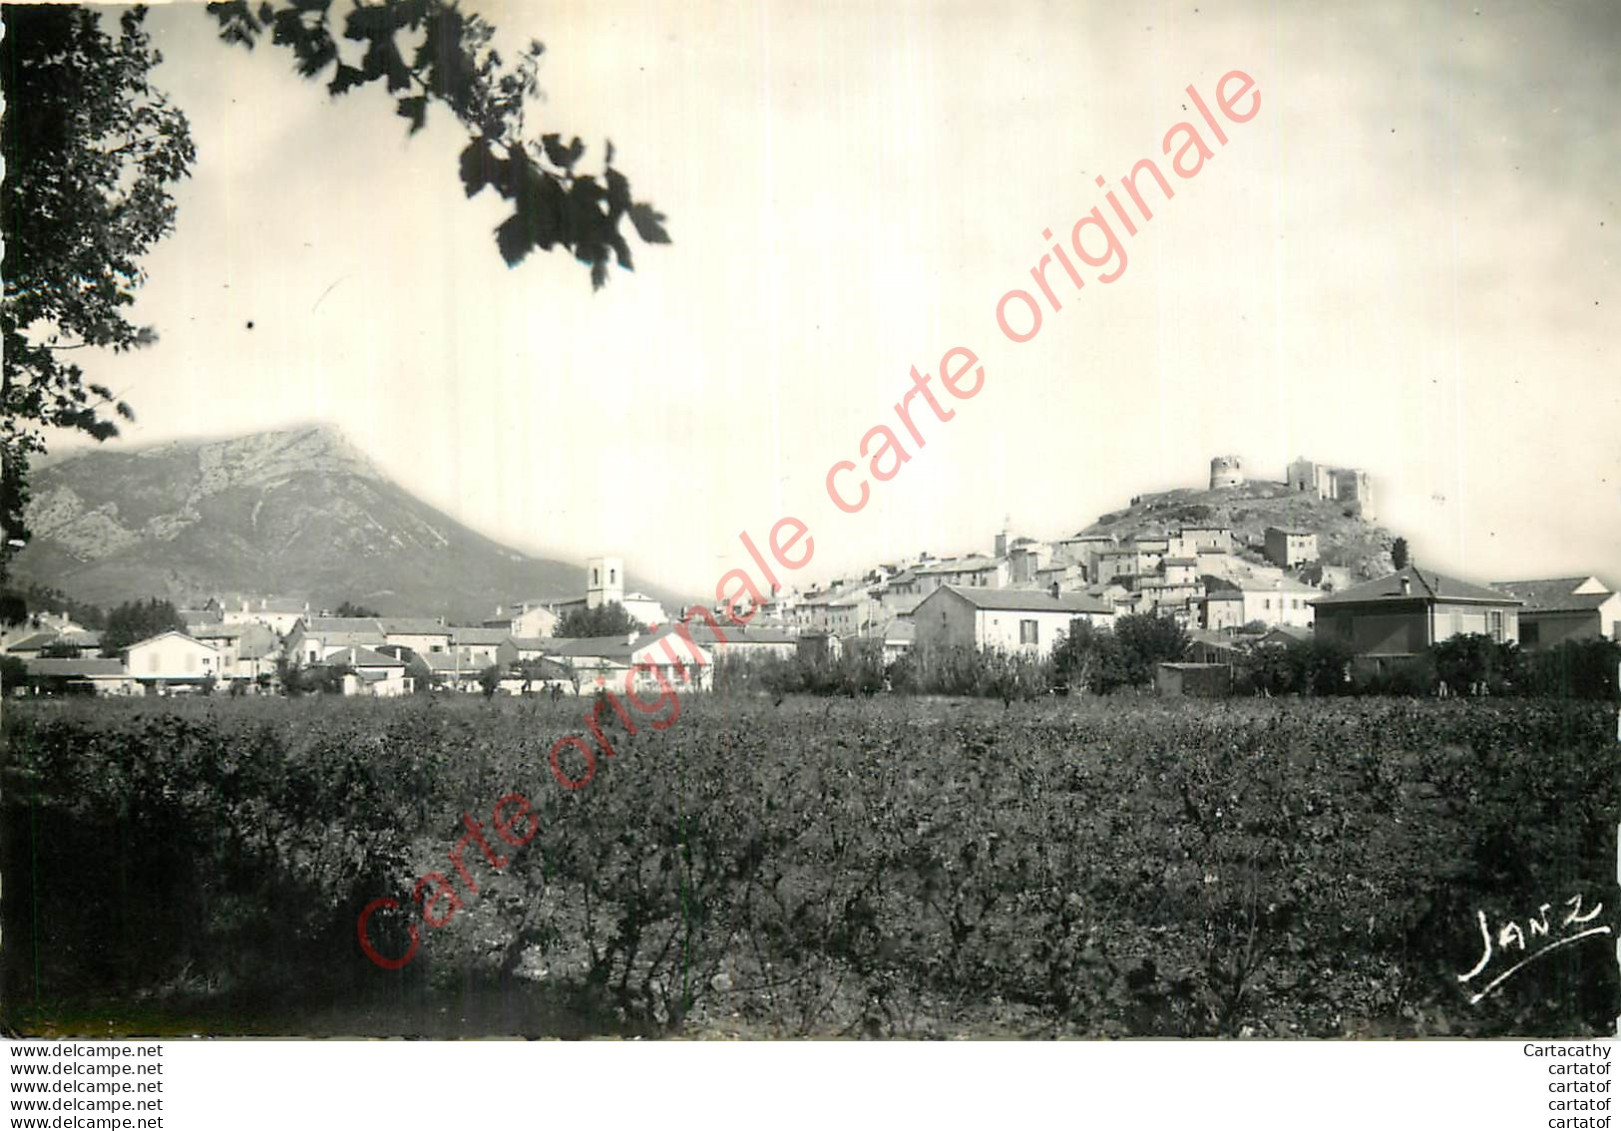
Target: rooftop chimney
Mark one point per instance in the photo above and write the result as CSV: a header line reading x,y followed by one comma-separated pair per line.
x,y
1055,589
1406,586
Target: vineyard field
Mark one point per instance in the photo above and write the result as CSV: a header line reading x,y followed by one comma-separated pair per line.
x,y
887,867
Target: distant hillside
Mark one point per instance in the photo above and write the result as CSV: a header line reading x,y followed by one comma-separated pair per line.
x,y
1342,538
297,513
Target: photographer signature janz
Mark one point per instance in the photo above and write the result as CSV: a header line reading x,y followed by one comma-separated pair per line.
x,y
1538,937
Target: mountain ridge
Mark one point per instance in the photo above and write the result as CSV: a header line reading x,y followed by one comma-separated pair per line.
x,y
292,512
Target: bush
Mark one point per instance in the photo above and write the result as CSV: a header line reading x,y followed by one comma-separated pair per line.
x,y
1473,662
1576,669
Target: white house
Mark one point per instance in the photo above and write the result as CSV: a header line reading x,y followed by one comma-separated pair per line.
x,y
1274,603
246,650
172,657
312,641
527,619
478,647
685,665
646,610
373,673
422,635
278,613
1008,620
1564,608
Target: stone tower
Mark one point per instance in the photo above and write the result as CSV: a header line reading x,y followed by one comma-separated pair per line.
x,y
604,582
1226,471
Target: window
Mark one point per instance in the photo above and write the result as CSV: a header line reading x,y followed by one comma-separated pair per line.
x,y
1497,625
613,575
594,576
1027,632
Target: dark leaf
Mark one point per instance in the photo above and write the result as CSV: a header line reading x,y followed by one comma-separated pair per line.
x,y
649,223
618,191
415,110
560,155
476,160
346,79
512,238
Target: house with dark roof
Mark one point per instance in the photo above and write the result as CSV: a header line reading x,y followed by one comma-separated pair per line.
x,y
371,672
478,647
645,658
312,641
1558,609
1008,620
1390,620
1287,547
92,676
419,634
281,614
246,651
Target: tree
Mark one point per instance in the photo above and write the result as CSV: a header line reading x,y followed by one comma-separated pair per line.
x,y
424,50
91,151
134,621
1398,553
1088,658
13,673
604,620
349,609
1473,661
1147,640
490,680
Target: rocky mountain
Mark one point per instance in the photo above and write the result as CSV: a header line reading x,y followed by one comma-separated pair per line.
x,y
1343,537
295,513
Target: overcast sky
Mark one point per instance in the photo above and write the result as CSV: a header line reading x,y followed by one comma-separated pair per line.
x,y
1406,262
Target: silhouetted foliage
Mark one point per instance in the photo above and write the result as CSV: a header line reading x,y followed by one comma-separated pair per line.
x,y
604,620
1147,640
134,621
350,609
430,50
1473,662
91,151
1089,659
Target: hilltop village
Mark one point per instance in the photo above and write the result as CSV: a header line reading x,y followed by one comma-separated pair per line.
x,y
1238,563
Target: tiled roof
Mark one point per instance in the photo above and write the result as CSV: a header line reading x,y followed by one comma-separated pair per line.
x,y
1553,595
741,634
476,636
364,658
320,625
72,668
618,648
32,642
1029,600
1423,585
959,565
413,626
446,663
1182,561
